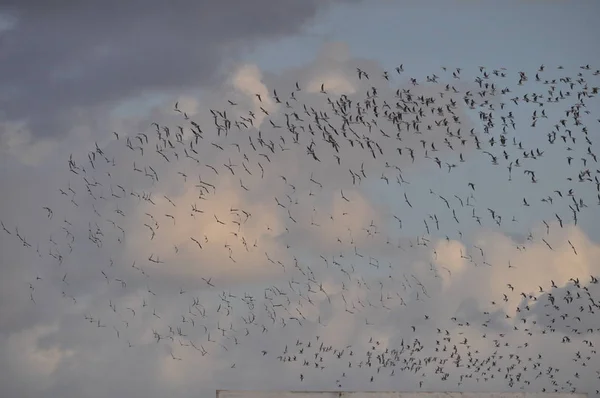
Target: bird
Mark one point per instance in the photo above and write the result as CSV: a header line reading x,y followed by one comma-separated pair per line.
x,y
271,279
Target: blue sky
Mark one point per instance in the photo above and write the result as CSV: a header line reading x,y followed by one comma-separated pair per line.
x,y
513,34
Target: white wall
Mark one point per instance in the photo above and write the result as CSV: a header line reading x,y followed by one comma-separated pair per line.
x,y
331,394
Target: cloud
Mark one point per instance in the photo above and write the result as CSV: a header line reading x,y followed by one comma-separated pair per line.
x,y
248,80
208,256
17,140
189,105
332,71
41,362
379,297
490,296
537,265
30,361
7,22
449,256
94,66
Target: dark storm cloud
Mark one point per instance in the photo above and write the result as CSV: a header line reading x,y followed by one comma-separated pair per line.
x,y
63,56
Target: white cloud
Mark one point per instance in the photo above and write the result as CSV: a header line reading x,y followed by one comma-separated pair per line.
x,y
449,257
247,79
537,265
334,83
525,266
213,259
189,105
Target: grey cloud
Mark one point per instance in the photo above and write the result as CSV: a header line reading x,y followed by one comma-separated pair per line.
x,y
68,56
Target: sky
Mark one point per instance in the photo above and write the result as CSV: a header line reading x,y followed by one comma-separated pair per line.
x,y
140,261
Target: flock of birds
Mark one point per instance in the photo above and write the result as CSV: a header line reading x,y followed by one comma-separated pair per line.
x,y
273,195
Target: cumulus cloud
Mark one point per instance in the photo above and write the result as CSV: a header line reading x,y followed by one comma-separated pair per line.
x,y
536,265
202,244
248,80
449,255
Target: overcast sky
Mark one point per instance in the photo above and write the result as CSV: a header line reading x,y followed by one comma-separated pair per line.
x,y
271,230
